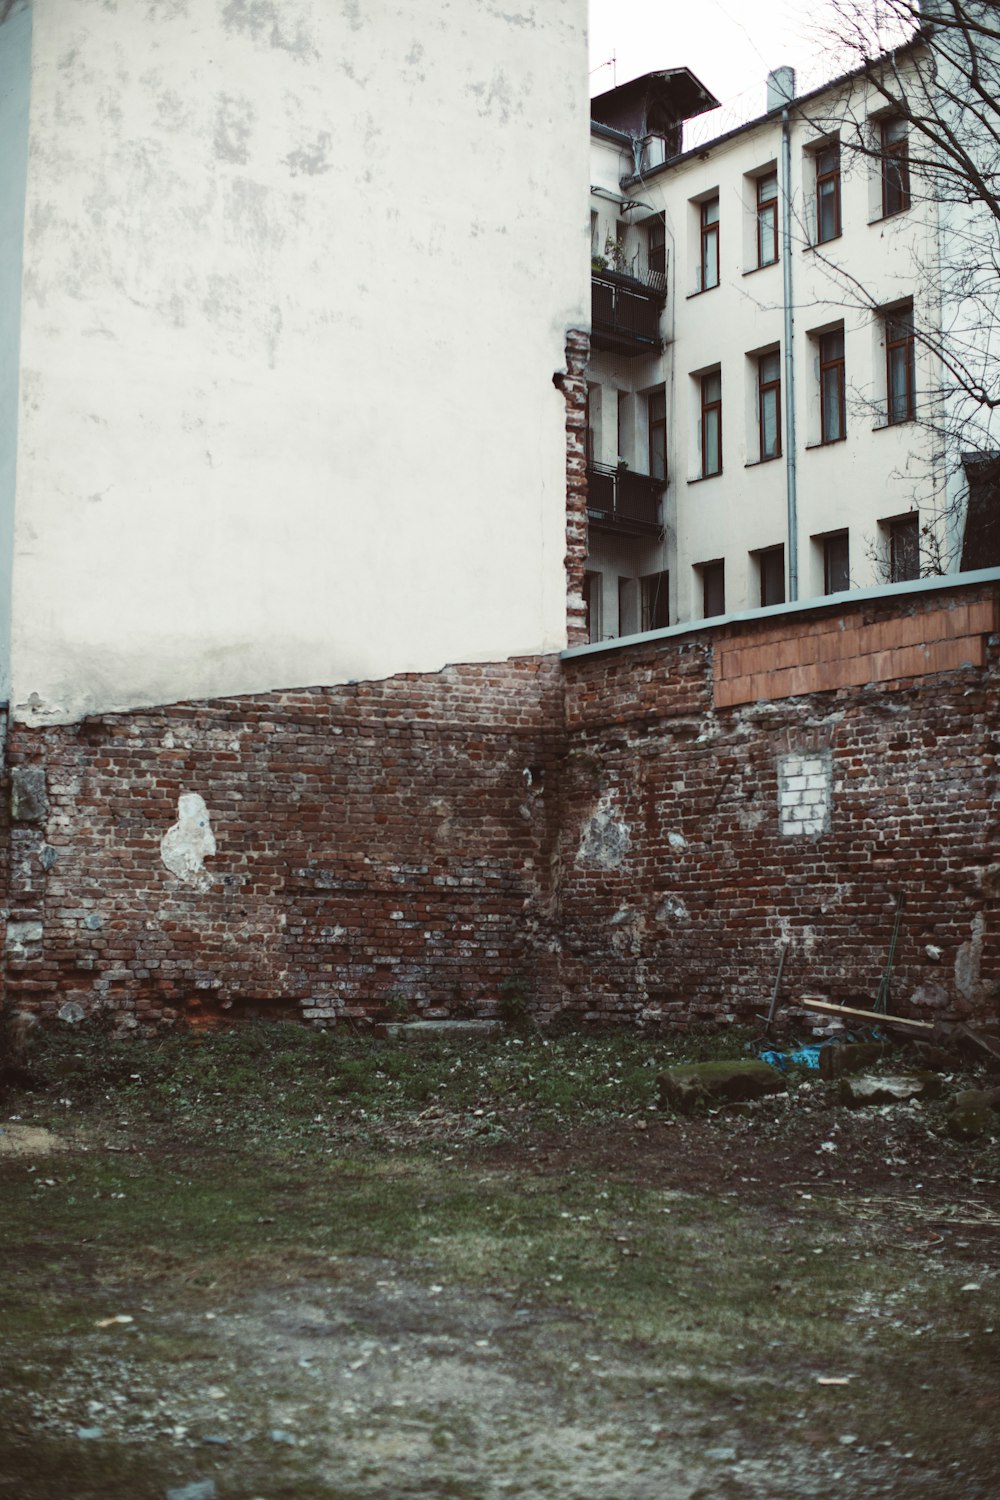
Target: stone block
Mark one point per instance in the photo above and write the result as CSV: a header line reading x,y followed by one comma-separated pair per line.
x,y
29,799
686,1089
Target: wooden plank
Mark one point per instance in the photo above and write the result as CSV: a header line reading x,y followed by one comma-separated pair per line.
x,y
829,1009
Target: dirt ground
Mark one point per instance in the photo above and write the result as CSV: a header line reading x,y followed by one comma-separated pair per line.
x,y
482,1300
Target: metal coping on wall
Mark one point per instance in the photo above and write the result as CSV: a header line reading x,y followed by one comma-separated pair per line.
x,y
798,607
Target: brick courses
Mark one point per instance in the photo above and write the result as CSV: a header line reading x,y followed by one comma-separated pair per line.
x,y
602,825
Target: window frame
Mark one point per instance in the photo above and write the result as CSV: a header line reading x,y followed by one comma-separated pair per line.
x,y
832,364
656,427
709,231
710,408
831,540
712,573
656,245
902,317
904,551
762,204
895,159
830,176
765,389
765,556
654,605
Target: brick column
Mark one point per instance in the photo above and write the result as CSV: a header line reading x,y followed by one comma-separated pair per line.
x,y
573,385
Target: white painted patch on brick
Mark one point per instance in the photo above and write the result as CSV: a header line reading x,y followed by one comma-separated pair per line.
x,y
185,847
805,794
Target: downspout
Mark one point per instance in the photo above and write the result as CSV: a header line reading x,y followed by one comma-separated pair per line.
x,y
790,460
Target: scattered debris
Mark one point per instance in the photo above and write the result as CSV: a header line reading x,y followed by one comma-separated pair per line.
x,y
850,1012
871,1088
119,1318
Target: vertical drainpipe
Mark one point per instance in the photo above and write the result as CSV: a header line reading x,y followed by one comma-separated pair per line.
x,y
790,470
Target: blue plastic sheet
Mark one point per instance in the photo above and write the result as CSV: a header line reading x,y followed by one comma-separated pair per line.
x,y
800,1057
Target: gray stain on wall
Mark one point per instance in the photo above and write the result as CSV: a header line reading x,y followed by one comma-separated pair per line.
x,y
312,159
234,120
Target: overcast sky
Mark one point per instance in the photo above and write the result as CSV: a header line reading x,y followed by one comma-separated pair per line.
x,y
731,45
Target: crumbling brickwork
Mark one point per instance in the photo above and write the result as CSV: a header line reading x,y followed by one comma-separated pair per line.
x,y
602,826
573,385
321,853
726,847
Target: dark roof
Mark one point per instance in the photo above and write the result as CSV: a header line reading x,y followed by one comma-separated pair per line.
x,y
794,106
673,94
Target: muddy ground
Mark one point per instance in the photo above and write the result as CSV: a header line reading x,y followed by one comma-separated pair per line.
x,y
484,1272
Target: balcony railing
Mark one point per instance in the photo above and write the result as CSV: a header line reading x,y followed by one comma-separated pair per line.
x,y
620,500
625,311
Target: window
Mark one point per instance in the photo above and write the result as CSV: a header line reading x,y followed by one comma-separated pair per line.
x,y
656,247
832,390
769,404
655,601
771,566
895,152
713,588
656,415
836,563
899,363
827,194
904,549
623,432
711,424
592,605
767,219
709,267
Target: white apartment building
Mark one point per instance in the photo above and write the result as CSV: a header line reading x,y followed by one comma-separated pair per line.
x,y
753,428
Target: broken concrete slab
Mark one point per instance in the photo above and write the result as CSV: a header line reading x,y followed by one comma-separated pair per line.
x,y
849,1057
687,1088
974,1112
412,1031
868,1088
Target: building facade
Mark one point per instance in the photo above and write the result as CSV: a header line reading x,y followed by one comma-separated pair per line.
x,y
268,266
761,415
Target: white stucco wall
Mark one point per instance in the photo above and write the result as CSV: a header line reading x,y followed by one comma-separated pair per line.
x,y
15,87
297,276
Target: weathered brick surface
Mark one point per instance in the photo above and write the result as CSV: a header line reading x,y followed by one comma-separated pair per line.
x,y
699,886
603,826
848,650
573,385
384,839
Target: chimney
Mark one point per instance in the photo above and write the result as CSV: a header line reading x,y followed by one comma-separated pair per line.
x,y
780,88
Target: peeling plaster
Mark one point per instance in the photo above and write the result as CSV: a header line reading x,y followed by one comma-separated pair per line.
x,y
605,837
968,960
672,909
185,847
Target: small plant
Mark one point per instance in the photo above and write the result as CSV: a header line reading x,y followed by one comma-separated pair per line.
x,y
397,1006
513,1008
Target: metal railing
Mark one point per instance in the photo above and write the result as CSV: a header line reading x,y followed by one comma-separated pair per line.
x,y
619,499
625,311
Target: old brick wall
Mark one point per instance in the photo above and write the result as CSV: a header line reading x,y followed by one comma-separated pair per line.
x,y
635,832
381,840
701,828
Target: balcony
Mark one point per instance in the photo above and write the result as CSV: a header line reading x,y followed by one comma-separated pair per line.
x,y
621,501
625,311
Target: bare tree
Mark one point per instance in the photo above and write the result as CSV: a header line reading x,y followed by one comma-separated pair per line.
x,y
921,117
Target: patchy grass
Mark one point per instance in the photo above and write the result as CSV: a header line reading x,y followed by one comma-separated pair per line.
x,y
465,1270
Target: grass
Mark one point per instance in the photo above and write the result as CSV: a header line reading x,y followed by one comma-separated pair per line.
x,y
267,1158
